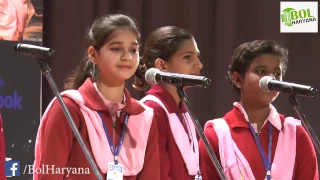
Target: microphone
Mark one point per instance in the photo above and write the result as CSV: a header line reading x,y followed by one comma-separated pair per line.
x,y
155,76
34,51
268,83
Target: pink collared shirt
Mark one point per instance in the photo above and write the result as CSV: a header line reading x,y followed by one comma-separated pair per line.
x,y
273,117
114,108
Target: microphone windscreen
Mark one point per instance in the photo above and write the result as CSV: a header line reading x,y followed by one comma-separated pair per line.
x,y
16,47
150,75
263,83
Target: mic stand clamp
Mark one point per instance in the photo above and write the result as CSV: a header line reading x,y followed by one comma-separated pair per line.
x,y
213,157
306,124
46,71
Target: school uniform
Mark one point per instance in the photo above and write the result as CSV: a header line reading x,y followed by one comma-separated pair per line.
x,y
93,116
232,139
179,155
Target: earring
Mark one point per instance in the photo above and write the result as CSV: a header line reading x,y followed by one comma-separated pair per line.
x,y
93,71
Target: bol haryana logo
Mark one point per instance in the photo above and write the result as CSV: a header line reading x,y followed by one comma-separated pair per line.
x,y
291,16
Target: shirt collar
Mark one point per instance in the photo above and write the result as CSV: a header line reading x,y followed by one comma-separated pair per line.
x,y
112,106
166,98
273,117
93,100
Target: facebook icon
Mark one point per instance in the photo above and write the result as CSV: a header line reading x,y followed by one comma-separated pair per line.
x,y
12,168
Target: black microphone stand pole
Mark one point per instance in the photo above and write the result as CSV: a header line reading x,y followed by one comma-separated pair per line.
x,y
306,124
46,71
213,157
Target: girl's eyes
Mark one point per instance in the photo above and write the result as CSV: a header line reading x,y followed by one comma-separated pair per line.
x,y
135,50
115,49
262,72
187,57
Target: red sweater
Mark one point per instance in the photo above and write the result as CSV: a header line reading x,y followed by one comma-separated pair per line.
x,y
305,163
60,148
2,151
172,165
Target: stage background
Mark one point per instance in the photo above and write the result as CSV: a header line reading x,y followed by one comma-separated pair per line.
x,y
20,82
20,79
218,27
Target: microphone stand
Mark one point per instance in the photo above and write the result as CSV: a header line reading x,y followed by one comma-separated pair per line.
x,y
213,157
297,108
46,71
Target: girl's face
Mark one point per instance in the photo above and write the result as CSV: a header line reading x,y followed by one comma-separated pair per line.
x,y
185,60
118,58
263,65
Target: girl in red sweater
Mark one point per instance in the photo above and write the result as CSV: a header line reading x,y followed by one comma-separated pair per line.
x,y
253,140
120,132
171,49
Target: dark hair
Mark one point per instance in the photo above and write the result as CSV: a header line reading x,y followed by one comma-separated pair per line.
x,y
97,36
161,43
246,52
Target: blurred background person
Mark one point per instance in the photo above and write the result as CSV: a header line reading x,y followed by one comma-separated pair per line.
x,y
15,15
